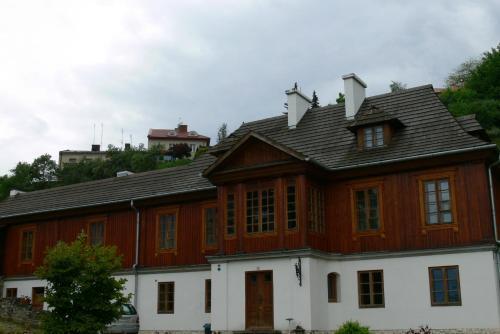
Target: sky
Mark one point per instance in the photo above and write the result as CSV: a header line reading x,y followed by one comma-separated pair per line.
x,y
67,67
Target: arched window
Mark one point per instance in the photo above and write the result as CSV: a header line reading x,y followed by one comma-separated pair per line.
x,y
333,281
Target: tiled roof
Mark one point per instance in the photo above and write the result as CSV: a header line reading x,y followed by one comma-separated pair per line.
x,y
173,134
373,115
322,133
469,123
157,183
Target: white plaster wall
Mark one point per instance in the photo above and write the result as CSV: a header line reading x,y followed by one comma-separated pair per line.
x,y
228,293
189,301
407,293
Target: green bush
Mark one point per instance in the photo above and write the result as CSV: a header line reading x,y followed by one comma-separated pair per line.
x,y
352,327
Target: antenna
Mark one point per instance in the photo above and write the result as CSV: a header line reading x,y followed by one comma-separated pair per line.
x,y
130,140
93,139
102,132
122,138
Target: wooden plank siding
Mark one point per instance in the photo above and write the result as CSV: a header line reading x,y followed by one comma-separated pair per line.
x,y
401,220
120,231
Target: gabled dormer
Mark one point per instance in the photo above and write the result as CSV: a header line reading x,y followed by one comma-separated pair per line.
x,y
374,127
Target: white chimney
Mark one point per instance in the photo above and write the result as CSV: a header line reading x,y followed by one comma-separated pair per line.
x,y
354,90
298,104
15,192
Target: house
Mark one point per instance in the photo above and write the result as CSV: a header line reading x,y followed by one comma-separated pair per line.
x,y
70,157
381,210
180,135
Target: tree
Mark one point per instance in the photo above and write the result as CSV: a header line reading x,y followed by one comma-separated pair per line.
x,y
341,98
222,133
179,151
82,295
479,94
461,74
315,101
397,86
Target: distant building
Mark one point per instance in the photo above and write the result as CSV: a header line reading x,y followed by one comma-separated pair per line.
x,y
180,135
69,157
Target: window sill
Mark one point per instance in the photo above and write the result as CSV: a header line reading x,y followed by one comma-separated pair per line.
x,y
437,227
447,304
260,234
357,235
371,306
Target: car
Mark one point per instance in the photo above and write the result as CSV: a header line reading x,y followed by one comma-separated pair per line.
x,y
128,322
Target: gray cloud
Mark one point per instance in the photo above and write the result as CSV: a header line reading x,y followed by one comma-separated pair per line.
x,y
137,65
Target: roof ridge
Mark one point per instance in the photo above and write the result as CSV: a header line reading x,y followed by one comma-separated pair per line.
x,y
404,91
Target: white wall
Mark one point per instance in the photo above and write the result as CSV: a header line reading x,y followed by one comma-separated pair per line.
x,y
189,301
228,293
407,293
406,284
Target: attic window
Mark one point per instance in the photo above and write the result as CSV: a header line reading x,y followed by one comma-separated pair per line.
x,y
373,137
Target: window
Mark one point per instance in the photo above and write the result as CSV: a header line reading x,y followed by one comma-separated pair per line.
x,y
291,205
11,293
437,199
445,286
166,297
367,209
316,210
371,288
96,233
210,227
208,296
374,137
260,211
166,229
27,245
332,287
230,215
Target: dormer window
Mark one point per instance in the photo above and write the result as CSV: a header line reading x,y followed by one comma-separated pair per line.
x,y
373,136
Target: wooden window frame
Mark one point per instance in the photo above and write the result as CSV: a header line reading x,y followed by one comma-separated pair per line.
x,y
259,188
320,226
421,179
445,286
204,246
166,310
371,305
379,185
96,220
229,236
33,244
8,291
162,212
208,296
294,183
333,287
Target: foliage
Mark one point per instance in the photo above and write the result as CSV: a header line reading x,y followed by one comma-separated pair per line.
x,y
341,98
420,330
315,101
480,94
461,74
82,294
397,86
200,151
44,173
222,132
179,151
352,327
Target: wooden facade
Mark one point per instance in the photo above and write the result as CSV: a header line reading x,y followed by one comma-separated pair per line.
x,y
400,227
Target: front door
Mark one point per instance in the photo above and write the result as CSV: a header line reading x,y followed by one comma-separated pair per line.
x,y
259,300
37,298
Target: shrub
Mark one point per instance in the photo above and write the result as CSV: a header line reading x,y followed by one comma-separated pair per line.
x,y
352,327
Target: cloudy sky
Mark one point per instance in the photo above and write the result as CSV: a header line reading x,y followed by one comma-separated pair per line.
x,y
133,65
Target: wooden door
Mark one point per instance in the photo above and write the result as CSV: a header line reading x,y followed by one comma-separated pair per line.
x,y
259,300
37,298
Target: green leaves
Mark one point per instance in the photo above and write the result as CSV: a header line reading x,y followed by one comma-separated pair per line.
x,y
352,327
82,294
480,92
